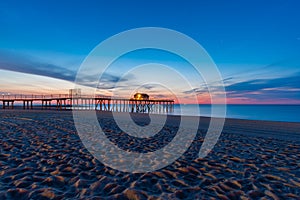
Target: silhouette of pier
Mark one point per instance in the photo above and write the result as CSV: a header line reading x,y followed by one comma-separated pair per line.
x,y
101,103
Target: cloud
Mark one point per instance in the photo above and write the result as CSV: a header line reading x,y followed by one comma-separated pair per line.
x,y
203,90
267,89
161,96
149,86
279,89
25,65
292,81
21,64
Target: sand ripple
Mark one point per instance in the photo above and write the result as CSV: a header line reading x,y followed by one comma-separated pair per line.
x,y
42,158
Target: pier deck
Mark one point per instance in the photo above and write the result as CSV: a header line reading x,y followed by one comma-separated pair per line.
x,y
101,103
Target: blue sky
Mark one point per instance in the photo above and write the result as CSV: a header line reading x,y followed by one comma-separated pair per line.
x,y
255,44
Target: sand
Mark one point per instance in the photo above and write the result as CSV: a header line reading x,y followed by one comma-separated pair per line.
x,y
42,157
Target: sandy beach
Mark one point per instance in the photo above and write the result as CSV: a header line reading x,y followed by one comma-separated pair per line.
x,y
42,157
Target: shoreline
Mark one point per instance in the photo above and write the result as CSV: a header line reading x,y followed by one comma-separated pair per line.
x,y
53,108
261,128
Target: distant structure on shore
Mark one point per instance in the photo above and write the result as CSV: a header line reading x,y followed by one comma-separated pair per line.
x,y
75,93
141,96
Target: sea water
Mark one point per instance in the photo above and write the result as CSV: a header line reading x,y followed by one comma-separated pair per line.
x,y
286,113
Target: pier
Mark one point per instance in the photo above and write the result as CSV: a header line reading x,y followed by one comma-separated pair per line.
x,y
100,103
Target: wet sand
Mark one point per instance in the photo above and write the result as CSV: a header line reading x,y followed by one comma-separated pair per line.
x,y
42,157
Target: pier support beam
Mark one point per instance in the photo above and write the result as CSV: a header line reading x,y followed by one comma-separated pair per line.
x,y
27,104
8,104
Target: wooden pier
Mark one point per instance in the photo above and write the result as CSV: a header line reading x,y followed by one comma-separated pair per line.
x,y
101,103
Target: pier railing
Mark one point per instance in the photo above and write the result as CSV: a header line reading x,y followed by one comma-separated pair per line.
x,y
47,96
33,96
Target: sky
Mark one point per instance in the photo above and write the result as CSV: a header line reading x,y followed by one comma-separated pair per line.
x,y
254,44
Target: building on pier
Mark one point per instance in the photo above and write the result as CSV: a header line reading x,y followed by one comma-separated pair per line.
x,y
141,96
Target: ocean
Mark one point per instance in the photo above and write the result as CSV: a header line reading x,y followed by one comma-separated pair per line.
x,y
285,113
